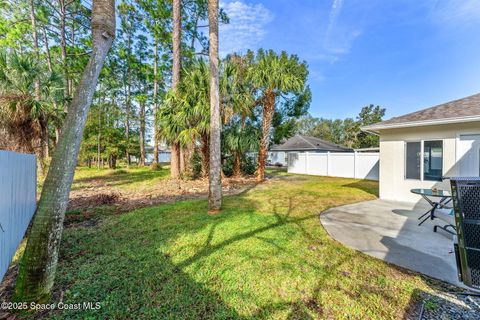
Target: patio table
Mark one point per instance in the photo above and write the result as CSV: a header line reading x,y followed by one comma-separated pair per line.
x,y
427,194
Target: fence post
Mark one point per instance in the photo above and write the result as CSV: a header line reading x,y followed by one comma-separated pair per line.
x,y
355,164
328,163
306,162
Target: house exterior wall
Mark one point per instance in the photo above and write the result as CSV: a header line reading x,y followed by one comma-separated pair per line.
x,y
277,157
393,184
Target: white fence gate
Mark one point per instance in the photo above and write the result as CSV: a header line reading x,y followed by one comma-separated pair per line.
x,y
18,182
358,165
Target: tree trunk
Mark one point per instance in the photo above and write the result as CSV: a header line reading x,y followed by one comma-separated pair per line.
x,y
215,176
142,134
39,262
237,169
127,132
268,111
43,154
50,69
175,161
177,42
129,97
40,151
155,102
63,50
112,162
205,150
35,45
182,160
99,149
45,139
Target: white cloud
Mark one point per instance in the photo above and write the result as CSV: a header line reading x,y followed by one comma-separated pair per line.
x,y
340,34
456,11
247,26
332,18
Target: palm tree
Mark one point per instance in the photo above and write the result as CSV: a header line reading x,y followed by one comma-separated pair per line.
x,y
278,76
195,95
215,177
237,94
237,140
184,117
39,262
238,103
25,112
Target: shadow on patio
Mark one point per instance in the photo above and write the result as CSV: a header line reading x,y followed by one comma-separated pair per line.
x,y
389,231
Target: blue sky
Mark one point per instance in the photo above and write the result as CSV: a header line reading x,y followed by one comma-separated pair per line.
x,y
401,54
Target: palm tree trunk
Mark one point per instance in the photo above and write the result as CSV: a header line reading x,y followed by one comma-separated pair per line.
x,y
205,150
268,111
182,160
177,42
175,161
39,262
237,170
215,176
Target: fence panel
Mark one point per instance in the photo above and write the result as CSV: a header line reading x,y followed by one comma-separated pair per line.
x,y
368,166
297,163
317,164
18,181
342,164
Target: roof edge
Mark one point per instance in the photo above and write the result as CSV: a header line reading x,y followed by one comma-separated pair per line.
x,y
375,127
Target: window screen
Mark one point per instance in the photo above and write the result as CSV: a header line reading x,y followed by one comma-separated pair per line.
x,y
432,160
412,168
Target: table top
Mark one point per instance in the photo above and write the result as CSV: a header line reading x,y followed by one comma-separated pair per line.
x,y
431,193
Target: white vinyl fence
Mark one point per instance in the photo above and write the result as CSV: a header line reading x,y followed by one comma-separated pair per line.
x,y
358,165
18,180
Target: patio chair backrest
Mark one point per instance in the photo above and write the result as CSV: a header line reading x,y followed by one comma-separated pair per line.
x,y
466,203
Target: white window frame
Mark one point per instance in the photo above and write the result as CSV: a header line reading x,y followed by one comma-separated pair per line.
x,y
422,141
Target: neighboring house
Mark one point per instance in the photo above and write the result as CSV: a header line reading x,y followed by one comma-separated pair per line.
x,y
420,149
278,154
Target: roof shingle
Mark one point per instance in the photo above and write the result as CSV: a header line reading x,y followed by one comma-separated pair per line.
x,y
461,110
308,143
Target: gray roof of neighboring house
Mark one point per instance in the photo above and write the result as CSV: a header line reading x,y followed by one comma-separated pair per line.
x,y
308,143
461,110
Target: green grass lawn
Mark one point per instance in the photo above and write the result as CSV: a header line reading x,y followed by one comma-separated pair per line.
x,y
265,256
122,178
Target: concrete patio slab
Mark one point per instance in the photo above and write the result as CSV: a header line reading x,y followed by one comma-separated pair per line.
x,y
389,231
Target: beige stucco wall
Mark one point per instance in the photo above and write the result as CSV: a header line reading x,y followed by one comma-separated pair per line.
x,y
393,185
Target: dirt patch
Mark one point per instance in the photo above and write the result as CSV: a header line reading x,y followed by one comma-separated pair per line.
x,y
99,198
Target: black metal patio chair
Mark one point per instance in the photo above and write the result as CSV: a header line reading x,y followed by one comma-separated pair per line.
x,y
466,203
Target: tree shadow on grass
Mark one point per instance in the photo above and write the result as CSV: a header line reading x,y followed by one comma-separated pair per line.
x,y
161,262
368,186
126,267
121,177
